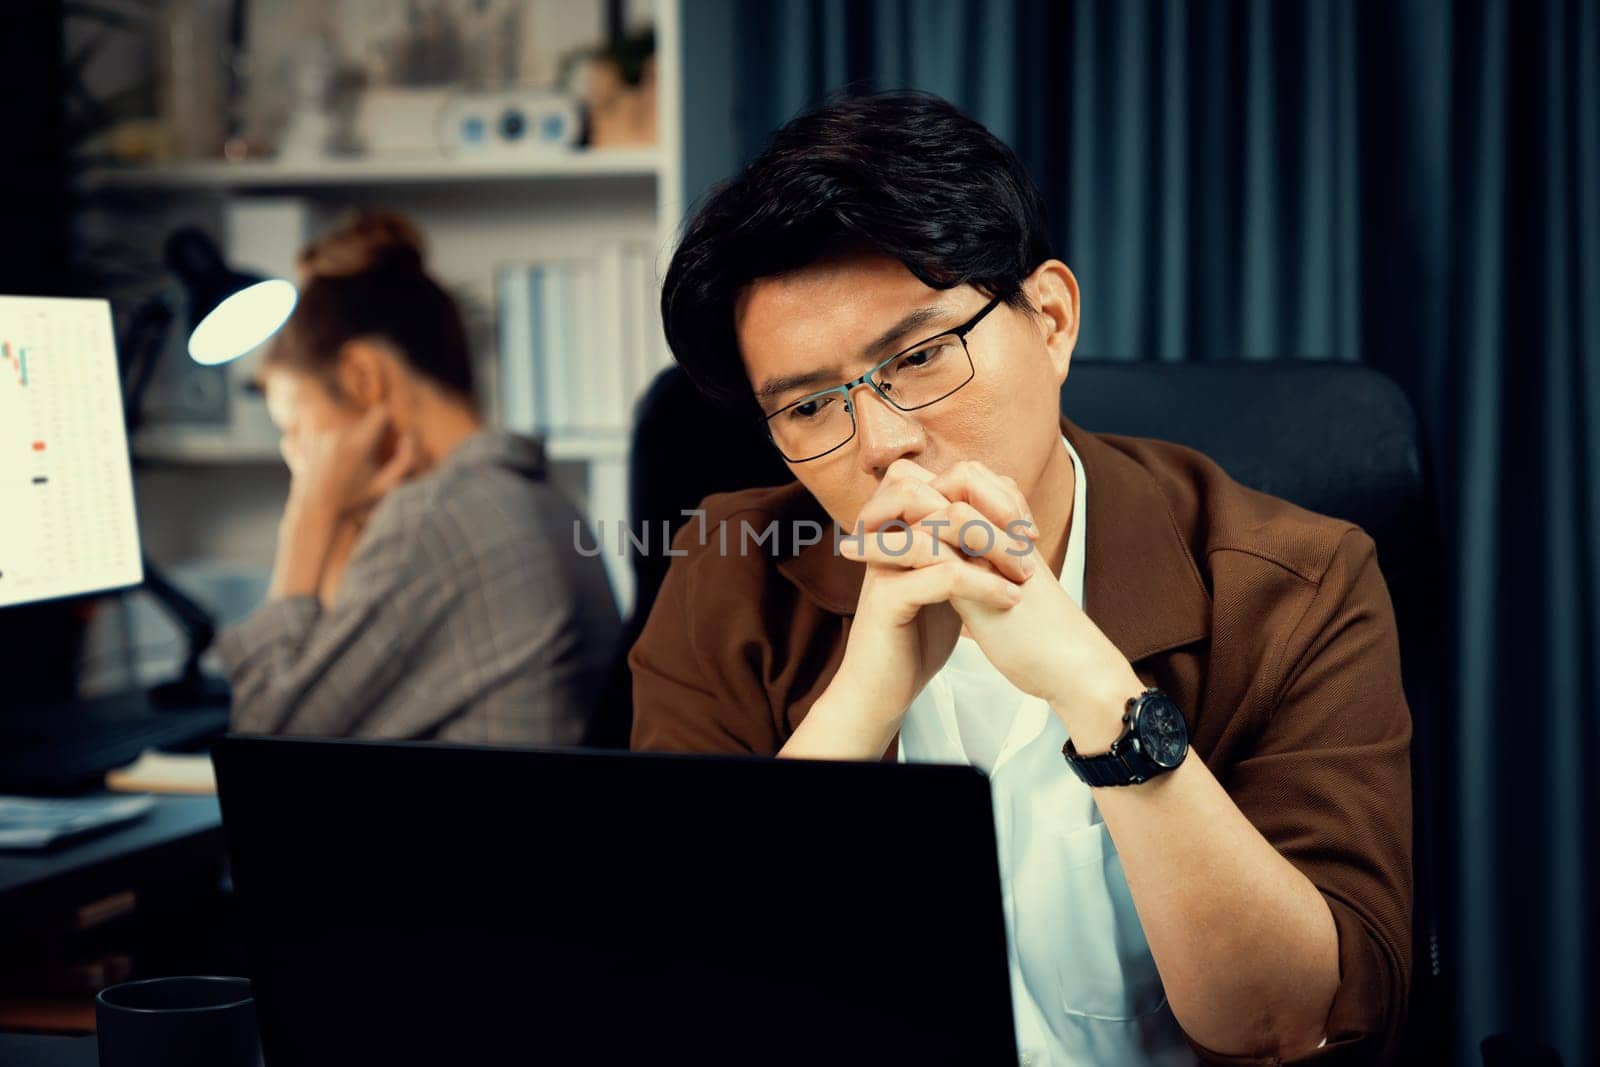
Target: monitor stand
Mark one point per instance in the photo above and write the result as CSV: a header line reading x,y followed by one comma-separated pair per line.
x,y
68,747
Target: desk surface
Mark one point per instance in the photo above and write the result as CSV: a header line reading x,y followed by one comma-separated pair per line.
x,y
23,1050
174,824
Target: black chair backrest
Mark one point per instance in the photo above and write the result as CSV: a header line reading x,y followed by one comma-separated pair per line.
x,y
1338,439
1341,440
684,448
1334,438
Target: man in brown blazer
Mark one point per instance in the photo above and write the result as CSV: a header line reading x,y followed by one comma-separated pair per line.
x,y
960,574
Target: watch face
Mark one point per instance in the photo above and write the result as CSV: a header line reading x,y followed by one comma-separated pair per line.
x,y
1162,733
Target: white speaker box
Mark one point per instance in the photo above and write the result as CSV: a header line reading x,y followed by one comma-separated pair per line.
x,y
517,122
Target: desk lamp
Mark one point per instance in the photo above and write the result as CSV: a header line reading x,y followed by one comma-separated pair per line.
x,y
235,313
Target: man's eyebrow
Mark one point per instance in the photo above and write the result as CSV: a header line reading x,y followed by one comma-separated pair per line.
x,y
911,320
776,387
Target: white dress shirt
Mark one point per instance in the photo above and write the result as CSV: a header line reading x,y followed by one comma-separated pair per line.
x,y
1084,986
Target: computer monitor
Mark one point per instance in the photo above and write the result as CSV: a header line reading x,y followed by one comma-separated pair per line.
x,y
67,520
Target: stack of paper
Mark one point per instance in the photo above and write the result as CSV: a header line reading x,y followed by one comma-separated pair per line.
x,y
165,772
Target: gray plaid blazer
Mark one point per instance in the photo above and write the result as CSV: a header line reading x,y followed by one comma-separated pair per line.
x,y
466,614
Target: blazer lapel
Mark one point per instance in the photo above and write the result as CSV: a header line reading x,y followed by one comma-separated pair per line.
x,y
1141,585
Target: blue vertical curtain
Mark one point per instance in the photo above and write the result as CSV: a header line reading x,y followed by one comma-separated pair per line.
x,y
1411,185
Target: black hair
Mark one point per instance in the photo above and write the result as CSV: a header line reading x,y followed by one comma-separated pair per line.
x,y
903,174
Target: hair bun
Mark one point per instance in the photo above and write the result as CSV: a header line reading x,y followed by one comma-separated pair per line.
x,y
368,240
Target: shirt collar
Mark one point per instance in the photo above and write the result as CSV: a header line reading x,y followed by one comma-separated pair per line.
x,y
1141,585
497,447
1075,561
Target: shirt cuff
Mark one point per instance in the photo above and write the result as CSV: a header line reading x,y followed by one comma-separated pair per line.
x,y
1314,1056
1362,1027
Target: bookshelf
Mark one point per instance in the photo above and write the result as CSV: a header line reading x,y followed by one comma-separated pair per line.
x,y
480,217
604,164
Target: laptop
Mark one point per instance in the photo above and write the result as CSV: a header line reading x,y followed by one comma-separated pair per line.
x,y
421,903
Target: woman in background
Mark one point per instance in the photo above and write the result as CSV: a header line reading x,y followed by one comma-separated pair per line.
x,y
426,584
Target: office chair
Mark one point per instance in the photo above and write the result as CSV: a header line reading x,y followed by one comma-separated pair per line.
x,y
1337,439
1341,440
683,449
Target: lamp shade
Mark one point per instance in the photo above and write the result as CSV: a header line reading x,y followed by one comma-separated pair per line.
x,y
234,311
242,322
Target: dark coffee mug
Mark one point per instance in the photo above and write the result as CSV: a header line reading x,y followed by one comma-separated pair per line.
x,y
178,1022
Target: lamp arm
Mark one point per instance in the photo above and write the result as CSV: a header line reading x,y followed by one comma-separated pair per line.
x,y
141,348
191,688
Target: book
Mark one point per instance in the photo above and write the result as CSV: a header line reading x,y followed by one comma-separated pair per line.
x,y
32,822
634,331
646,314
586,332
579,340
533,284
608,353
555,307
519,386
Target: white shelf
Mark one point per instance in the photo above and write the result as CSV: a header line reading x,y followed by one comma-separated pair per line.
x,y
640,164
587,446
165,445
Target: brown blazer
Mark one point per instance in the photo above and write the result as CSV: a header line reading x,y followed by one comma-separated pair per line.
x,y
1269,625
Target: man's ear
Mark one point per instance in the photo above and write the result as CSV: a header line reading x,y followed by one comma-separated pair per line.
x,y
1054,292
363,373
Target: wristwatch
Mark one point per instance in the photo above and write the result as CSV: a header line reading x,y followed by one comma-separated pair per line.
x,y
1154,740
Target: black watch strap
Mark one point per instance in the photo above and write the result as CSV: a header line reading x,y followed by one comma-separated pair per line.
x,y
1126,763
1109,768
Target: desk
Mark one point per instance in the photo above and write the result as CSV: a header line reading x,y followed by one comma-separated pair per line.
x,y
171,860
177,833
22,1050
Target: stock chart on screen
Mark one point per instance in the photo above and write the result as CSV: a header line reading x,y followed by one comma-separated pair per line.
x,y
67,522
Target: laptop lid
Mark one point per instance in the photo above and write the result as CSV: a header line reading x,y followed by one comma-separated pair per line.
x,y
446,904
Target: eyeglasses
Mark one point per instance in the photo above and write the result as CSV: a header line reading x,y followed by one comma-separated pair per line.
x,y
916,377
